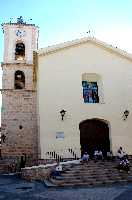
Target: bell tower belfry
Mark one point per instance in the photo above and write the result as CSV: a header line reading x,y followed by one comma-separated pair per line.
x,y
19,107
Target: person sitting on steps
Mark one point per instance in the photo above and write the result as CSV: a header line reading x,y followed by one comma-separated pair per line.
x,y
121,153
98,155
85,157
124,164
57,171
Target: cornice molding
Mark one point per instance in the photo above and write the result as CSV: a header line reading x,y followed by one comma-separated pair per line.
x,y
19,25
18,91
16,64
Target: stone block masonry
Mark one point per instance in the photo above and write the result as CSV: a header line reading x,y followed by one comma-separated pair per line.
x,y
19,123
39,173
19,104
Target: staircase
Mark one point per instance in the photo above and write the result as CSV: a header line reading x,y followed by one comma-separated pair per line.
x,y
91,174
4,168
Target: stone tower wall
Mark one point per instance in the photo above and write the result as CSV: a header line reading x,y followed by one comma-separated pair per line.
x,y
19,106
19,123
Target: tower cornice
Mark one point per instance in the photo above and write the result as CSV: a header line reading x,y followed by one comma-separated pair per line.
x,y
16,64
19,91
19,25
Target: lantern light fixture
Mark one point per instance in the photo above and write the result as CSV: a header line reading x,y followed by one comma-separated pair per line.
x,y
125,114
62,112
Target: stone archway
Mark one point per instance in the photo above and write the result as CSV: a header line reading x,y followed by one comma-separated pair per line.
x,y
94,133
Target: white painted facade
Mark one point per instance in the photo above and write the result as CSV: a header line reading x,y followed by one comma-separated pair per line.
x,y
60,72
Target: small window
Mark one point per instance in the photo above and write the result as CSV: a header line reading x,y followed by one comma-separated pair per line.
x,y
20,51
90,92
19,80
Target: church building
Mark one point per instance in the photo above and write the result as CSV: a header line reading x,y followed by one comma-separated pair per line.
x,y
60,101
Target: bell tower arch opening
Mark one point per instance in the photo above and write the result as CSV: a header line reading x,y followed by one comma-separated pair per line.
x,y
19,82
20,51
94,134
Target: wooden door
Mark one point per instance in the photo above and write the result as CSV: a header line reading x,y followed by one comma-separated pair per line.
x,y
94,134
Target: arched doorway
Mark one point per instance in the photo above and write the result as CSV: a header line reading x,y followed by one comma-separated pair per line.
x,y
94,134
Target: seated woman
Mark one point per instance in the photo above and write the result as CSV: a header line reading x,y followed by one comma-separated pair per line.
x,y
121,153
98,155
124,165
85,157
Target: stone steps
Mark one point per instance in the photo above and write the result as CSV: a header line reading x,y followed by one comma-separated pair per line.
x,y
92,174
88,183
4,168
89,176
90,171
89,180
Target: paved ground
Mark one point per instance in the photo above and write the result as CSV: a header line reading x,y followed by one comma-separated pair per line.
x,y
13,188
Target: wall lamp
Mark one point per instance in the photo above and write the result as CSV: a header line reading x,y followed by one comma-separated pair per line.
x,y
62,112
125,114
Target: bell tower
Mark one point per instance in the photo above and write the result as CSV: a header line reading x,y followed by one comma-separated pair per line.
x,y
19,107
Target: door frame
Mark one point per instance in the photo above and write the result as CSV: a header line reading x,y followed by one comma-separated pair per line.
x,y
99,120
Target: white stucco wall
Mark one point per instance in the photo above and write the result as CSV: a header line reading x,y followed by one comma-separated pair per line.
x,y
60,87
